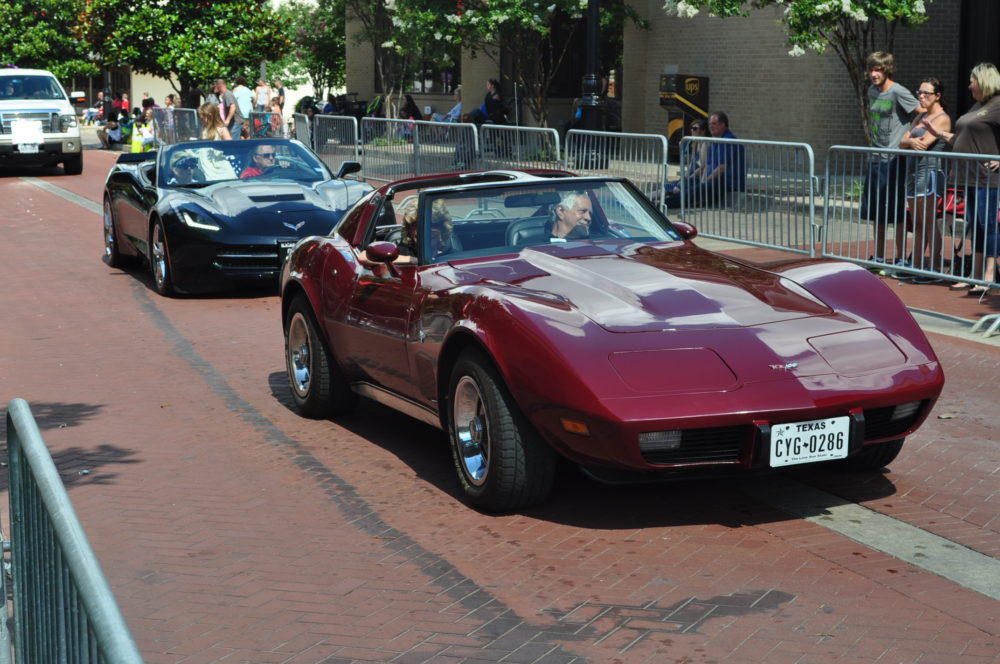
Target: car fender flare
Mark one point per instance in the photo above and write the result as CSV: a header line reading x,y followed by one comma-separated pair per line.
x,y
851,288
490,327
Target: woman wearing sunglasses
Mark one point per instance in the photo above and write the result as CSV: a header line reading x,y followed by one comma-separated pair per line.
x,y
925,181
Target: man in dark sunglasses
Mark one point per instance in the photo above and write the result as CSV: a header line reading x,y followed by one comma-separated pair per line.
x,y
262,160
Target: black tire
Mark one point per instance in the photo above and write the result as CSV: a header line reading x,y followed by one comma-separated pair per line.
x,y
502,462
111,253
873,457
317,385
159,260
73,165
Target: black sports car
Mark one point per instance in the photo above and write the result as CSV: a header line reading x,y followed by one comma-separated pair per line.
x,y
209,215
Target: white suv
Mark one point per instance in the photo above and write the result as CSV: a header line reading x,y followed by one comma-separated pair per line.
x,y
37,123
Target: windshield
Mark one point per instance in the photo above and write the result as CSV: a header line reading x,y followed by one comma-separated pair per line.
x,y
202,163
30,87
506,219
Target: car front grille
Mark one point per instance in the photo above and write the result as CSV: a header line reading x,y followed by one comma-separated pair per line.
x,y
249,259
879,422
48,120
709,445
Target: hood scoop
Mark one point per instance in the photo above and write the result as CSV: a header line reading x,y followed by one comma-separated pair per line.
x,y
277,198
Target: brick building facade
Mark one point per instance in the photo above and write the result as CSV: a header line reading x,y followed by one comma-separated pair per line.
x,y
768,94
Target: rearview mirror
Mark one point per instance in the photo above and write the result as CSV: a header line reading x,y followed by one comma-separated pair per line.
x,y
77,97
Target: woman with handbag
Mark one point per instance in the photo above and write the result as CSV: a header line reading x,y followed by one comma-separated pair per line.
x,y
978,132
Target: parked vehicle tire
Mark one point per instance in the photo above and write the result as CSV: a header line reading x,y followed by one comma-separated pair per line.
x,y
111,253
73,165
502,462
874,457
318,387
159,260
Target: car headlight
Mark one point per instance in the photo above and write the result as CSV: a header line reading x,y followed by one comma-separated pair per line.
x,y
193,219
67,121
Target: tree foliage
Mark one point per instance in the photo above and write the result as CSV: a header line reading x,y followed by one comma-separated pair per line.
x,y
851,28
532,37
192,41
41,34
317,33
403,34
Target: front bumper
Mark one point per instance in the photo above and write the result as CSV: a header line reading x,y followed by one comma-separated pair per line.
x,y
52,151
735,433
209,267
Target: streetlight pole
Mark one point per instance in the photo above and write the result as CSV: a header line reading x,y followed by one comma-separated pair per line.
x,y
590,103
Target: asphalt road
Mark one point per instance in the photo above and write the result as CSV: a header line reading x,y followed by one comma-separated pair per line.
x,y
232,530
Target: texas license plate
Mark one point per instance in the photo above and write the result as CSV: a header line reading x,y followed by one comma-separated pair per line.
x,y
807,442
26,135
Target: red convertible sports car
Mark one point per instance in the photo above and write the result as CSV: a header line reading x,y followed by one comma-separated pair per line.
x,y
534,315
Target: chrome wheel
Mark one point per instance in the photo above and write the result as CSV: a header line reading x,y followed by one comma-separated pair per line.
x,y
318,387
110,246
158,260
472,430
501,462
299,355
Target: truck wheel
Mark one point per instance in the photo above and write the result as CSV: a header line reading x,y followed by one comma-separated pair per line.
x,y
73,165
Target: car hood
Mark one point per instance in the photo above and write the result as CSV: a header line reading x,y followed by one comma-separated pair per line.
x,y
275,207
637,288
233,198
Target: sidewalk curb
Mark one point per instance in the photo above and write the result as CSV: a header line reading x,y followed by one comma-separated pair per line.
x,y
954,326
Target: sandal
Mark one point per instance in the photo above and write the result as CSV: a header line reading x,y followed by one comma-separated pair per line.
x,y
960,285
981,291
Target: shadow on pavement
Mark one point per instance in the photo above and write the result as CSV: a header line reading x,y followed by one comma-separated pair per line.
x,y
579,500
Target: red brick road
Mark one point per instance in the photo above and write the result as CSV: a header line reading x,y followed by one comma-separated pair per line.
x,y
233,530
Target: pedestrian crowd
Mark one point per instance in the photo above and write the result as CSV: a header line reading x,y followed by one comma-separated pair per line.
x,y
912,194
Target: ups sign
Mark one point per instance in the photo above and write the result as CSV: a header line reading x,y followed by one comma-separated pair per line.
x,y
685,93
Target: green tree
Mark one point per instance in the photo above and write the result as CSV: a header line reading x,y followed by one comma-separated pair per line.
x,y
189,42
536,37
42,34
317,32
852,28
403,33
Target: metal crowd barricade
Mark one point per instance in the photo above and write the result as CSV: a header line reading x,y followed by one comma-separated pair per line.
x,y
395,149
925,215
507,147
175,125
642,158
265,124
766,196
303,129
64,610
335,139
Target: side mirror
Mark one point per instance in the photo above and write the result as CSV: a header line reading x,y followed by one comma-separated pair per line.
x,y
348,167
382,252
687,231
77,97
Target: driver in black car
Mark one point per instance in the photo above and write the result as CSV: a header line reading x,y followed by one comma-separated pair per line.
x,y
183,169
261,161
571,217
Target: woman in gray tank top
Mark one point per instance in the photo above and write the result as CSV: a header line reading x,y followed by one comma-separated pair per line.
x,y
925,177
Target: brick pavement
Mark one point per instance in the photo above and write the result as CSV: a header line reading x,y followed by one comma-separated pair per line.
x,y
234,531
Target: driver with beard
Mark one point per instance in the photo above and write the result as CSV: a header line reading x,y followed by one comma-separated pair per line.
x,y
571,217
